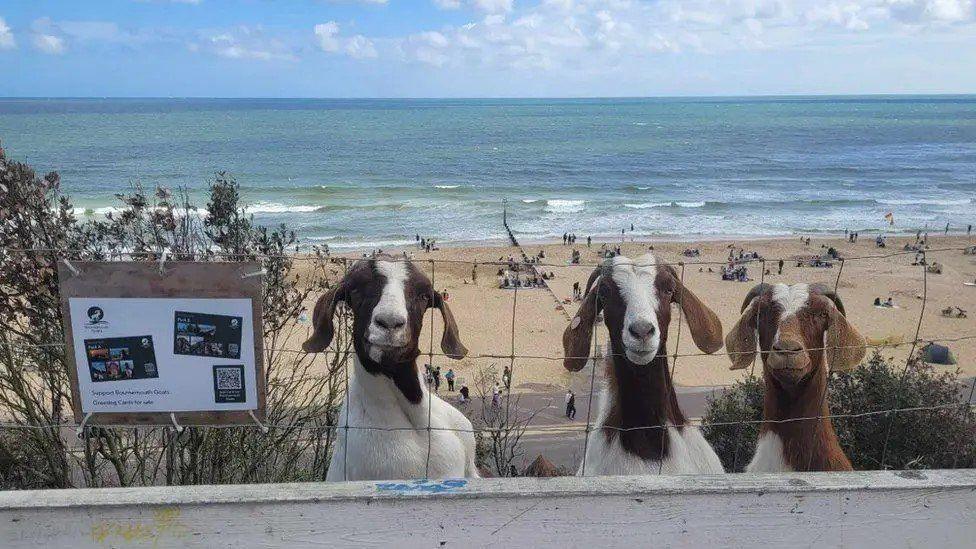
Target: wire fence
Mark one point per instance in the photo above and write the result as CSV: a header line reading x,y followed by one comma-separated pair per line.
x,y
525,264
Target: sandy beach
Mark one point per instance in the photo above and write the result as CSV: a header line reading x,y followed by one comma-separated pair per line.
x,y
484,311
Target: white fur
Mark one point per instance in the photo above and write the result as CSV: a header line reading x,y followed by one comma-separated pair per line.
x,y
688,454
769,456
791,298
635,280
392,303
374,401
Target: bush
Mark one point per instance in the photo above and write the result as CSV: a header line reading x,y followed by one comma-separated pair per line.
x,y
38,228
916,439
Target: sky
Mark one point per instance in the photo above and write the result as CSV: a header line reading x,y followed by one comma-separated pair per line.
x,y
485,48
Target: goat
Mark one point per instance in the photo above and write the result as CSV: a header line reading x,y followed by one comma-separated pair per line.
x,y
391,427
800,329
639,399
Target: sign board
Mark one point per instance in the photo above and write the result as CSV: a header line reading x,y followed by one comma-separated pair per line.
x,y
142,344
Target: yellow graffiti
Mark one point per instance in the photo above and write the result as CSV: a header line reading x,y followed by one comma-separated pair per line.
x,y
165,522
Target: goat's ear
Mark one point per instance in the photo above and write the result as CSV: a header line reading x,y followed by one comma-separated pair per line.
x,y
845,347
579,334
705,326
740,343
451,341
322,323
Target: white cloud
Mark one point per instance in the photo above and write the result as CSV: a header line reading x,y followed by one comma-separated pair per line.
x,y
484,6
48,43
7,41
330,41
244,42
448,4
494,6
328,36
595,36
360,47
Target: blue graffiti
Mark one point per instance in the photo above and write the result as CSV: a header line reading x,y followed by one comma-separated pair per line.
x,y
423,486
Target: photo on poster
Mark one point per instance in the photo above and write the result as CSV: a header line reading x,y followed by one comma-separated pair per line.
x,y
121,358
229,383
202,334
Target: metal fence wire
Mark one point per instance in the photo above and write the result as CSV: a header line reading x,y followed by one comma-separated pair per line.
x,y
513,356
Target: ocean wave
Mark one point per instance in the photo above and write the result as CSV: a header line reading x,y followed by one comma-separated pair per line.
x,y
565,206
530,200
925,201
447,186
674,204
276,207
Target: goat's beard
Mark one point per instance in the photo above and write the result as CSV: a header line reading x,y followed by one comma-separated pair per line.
x,y
386,360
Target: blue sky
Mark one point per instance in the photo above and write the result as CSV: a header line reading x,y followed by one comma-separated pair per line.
x,y
485,48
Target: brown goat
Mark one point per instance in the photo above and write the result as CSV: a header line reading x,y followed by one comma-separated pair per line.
x,y
801,330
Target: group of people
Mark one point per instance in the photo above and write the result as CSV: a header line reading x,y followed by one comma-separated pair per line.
x,y
890,303
570,238
426,244
735,272
513,279
432,375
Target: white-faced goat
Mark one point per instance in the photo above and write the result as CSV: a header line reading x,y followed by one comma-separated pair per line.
x,y
639,428
387,409
802,330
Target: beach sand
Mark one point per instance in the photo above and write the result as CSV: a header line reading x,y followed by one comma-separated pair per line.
x,y
484,312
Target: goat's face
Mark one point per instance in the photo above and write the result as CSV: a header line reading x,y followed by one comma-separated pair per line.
x,y
636,298
388,299
797,327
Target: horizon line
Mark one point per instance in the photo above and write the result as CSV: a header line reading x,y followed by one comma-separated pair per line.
x,y
501,97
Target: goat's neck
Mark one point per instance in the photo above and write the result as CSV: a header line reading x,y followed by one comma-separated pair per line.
x,y
808,445
383,398
641,396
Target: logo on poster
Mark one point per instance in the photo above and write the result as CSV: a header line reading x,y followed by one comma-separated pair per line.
x,y
96,320
95,315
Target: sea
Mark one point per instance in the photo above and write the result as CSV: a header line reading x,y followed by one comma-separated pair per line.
x,y
367,173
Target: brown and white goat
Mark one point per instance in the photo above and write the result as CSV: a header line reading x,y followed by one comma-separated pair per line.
x,y
639,399
801,330
387,408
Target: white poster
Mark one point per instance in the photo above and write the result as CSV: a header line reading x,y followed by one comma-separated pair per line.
x,y
164,354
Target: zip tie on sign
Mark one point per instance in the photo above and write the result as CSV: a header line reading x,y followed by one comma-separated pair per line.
x,y
71,267
255,273
162,261
172,417
84,420
264,428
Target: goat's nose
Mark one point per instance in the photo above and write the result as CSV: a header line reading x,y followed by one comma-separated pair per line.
x,y
389,321
641,329
787,346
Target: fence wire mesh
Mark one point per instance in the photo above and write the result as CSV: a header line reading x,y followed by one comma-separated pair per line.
x,y
513,356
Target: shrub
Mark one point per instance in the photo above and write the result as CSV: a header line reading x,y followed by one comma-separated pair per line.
x,y
944,437
38,228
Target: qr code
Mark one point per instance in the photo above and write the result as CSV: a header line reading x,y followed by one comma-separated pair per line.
x,y
229,379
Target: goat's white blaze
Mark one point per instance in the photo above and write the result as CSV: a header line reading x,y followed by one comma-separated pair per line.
x,y
791,298
635,281
391,305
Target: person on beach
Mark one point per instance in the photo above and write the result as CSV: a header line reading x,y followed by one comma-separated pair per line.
x,y
496,398
589,239
507,378
780,266
437,379
947,229
449,376
570,404
465,394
